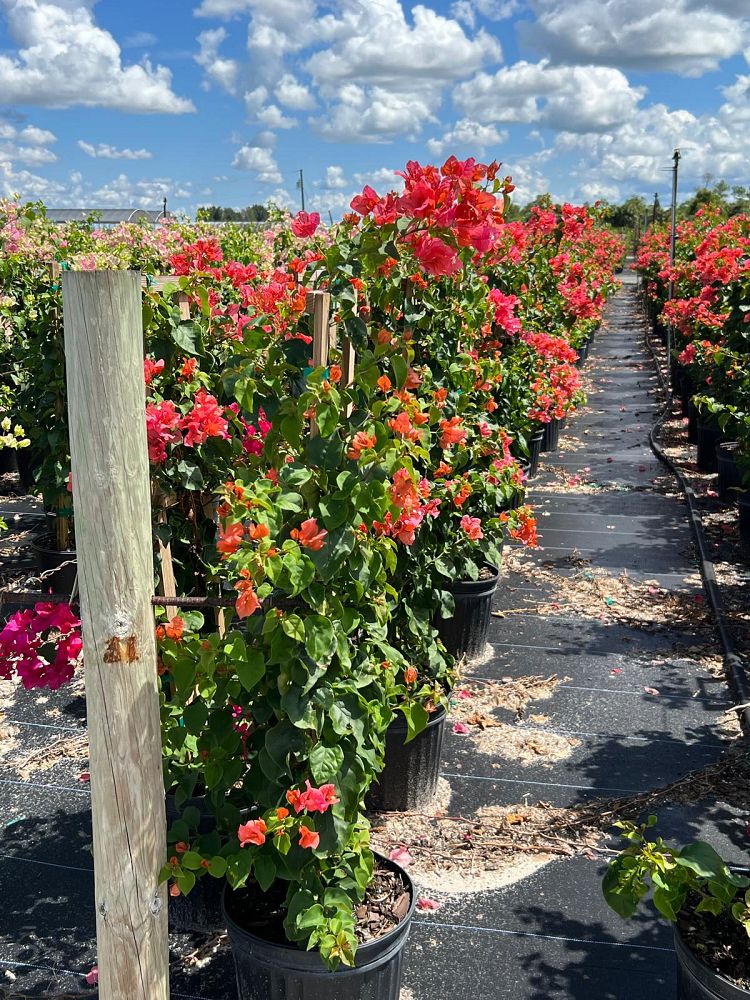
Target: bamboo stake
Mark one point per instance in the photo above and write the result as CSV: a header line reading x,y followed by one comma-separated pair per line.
x,y
103,343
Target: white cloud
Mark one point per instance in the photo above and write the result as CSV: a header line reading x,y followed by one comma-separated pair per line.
x,y
222,9
528,176
64,59
28,185
139,40
496,10
293,94
103,151
685,36
577,98
219,70
27,145
383,76
260,161
273,117
122,192
467,135
334,178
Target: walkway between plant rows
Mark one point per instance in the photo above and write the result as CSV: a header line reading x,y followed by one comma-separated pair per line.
x,y
636,704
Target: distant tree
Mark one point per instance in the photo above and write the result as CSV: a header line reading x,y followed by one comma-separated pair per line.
x,y
215,213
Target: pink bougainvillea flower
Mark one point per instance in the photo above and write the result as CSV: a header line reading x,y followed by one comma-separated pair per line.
x,y
84,776
424,903
654,692
252,832
304,224
92,976
401,856
460,728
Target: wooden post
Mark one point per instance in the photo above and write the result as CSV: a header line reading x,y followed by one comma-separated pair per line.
x,y
104,357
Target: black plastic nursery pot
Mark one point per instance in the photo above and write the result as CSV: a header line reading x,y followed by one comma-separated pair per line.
x,y
535,448
410,776
730,476
8,463
709,436
692,428
199,911
696,981
465,633
62,579
551,437
743,504
26,469
268,971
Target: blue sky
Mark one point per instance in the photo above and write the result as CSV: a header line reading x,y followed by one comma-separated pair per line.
x,y
114,104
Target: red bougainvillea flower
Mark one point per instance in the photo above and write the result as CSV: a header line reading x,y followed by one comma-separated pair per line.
x,y
205,420
384,383
309,535
365,202
308,838
360,442
304,224
247,603
505,310
473,527
403,426
230,539
151,368
451,432
252,832
410,675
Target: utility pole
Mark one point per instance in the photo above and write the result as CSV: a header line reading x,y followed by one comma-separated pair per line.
x,y
301,186
164,209
672,242
655,208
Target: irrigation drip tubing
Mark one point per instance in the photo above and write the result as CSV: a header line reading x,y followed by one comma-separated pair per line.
x,y
732,661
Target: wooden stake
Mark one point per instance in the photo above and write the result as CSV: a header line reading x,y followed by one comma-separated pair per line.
x,y
104,355
318,305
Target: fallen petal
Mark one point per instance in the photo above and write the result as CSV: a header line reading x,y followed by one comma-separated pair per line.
x,y
423,903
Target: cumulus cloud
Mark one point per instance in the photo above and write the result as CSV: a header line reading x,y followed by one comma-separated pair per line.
x,y
467,135
334,178
577,98
219,70
496,10
27,145
684,36
293,94
259,160
64,59
103,151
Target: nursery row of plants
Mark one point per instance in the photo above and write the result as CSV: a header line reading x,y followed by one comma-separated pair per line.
x,y
709,315
354,503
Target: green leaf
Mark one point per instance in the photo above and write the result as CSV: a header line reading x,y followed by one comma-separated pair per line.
x,y
702,859
264,870
325,762
217,866
320,638
251,669
327,418
663,903
190,474
400,370
192,860
185,881
416,717
294,627
187,336
324,452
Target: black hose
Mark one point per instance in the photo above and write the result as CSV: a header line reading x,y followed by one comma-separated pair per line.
x,y
733,663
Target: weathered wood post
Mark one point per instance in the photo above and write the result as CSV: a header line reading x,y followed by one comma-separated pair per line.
x,y
104,360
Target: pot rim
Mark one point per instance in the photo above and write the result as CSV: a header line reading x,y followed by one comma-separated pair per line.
x,y
36,545
399,722
682,948
384,943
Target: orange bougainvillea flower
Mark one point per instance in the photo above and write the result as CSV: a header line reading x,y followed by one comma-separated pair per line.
x,y
282,813
384,383
230,539
175,628
308,838
309,535
452,432
258,531
247,603
402,426
334,375
410,675
360,442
